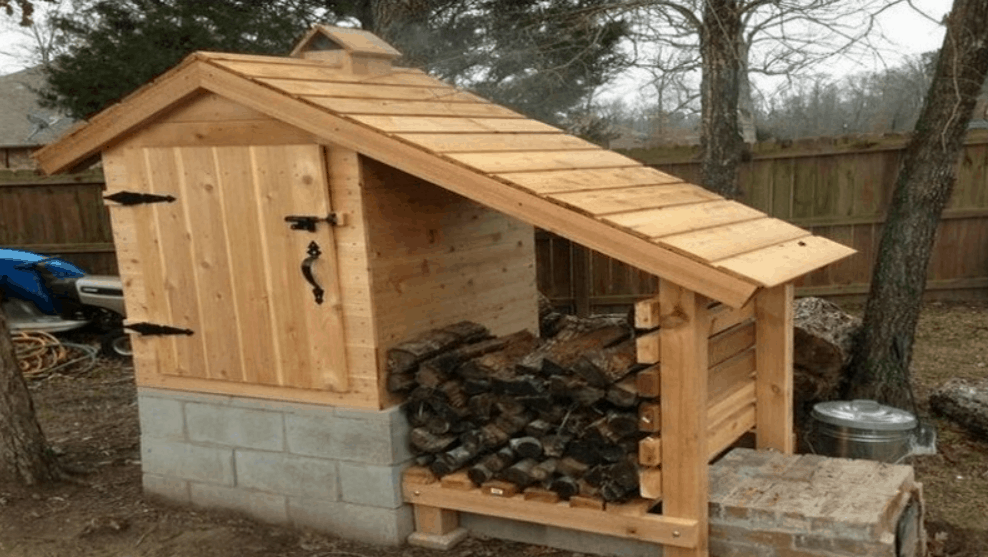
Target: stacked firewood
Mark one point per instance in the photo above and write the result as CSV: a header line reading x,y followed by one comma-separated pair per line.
x,y
556,415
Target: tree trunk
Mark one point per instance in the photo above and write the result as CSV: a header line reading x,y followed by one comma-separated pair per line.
x,y
880,368
24,454
721,144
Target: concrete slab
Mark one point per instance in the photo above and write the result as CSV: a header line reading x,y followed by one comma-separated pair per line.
x,y
436,541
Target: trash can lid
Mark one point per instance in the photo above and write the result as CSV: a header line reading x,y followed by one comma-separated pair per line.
x,y
863,414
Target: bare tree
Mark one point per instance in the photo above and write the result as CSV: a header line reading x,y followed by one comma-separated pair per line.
x,y
730,39
24,454
880,368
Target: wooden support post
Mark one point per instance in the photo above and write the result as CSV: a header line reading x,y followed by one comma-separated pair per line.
x,y
774,379
685,482
436,528
582,284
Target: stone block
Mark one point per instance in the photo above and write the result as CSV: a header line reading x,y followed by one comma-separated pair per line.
x,y
161,418
266,507
350,435
235,427
356,522
169,489
441,542
373,486
186,461
287,474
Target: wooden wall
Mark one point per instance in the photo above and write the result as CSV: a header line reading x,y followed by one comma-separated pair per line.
x,y
835,187
61,215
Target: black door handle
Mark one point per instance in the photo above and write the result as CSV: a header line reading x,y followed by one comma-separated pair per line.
x,y
314,253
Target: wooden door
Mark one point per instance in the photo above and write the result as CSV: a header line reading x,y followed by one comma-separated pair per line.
x,y
222,261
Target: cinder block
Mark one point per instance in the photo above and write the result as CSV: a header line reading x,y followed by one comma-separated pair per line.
x,y
161,418
262,506
169,489
367,524
287,474
311,434
187,462
237,427
369,441
373,486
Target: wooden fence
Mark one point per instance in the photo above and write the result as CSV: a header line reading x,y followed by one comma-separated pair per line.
x,y
834,187
838,188
61,215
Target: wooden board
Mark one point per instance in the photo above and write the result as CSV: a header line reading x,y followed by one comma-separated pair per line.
x,y
647,527
711,244
774,309
412,108
541,160
678,218
305,70
775,264
684,388
558,181
600,203
440,124
476,142
369,90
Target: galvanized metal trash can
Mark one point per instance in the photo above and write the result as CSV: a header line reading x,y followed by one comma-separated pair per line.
x,y
863,429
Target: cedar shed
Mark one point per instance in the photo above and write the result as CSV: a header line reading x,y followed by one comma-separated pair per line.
x,y
285,221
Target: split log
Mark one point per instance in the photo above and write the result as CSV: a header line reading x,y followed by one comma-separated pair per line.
x,y
490,465
424,441
965,403
526,447
603,367
624,393
406,355
822,342
453,460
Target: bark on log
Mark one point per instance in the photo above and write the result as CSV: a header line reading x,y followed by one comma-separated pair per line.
x,y
965,403
823,339
406,355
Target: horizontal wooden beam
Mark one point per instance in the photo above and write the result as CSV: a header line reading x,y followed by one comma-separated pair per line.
x,y
645,527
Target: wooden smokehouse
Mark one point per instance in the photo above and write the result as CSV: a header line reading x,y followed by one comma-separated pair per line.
x,y
289,219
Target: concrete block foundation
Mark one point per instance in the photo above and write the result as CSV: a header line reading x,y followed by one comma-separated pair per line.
x,y
312,466
339,471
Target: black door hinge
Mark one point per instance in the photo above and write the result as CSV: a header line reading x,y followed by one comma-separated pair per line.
x,y
152,329
134,198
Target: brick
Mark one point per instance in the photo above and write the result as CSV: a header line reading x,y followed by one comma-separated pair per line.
x,y
161,418
237,427
374,486
734,548
186,461
287,474
169,489
842,546
262,506
752,536
357,522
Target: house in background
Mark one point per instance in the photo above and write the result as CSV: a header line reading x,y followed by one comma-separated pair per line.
x,y
24,124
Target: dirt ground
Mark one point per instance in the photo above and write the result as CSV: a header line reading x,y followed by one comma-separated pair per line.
x,y
91,421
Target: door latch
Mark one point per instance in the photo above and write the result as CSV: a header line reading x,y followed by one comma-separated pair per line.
x,y
308,222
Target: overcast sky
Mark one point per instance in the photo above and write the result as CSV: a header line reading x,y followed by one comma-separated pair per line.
x,y
910,32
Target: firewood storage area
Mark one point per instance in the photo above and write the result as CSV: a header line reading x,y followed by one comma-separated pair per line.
x,y
292,226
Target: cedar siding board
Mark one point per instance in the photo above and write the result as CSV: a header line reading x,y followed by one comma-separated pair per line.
x,y
491,155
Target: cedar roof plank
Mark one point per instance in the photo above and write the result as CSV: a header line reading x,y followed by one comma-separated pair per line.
x,y
302,71
439,124
676,219
720,242
780,263
567,180
620,200
477,142
346,105
493,163
368,90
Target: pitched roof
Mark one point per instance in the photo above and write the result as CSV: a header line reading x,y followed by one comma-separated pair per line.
x,y
497,157
22,120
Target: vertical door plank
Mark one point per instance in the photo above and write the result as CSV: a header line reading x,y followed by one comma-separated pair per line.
x,y
252,302
310,189
774,380
685,482
285,250
175,242
204,211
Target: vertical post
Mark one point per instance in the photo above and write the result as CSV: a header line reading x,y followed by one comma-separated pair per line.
x,y
773,356
685,323
582,283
